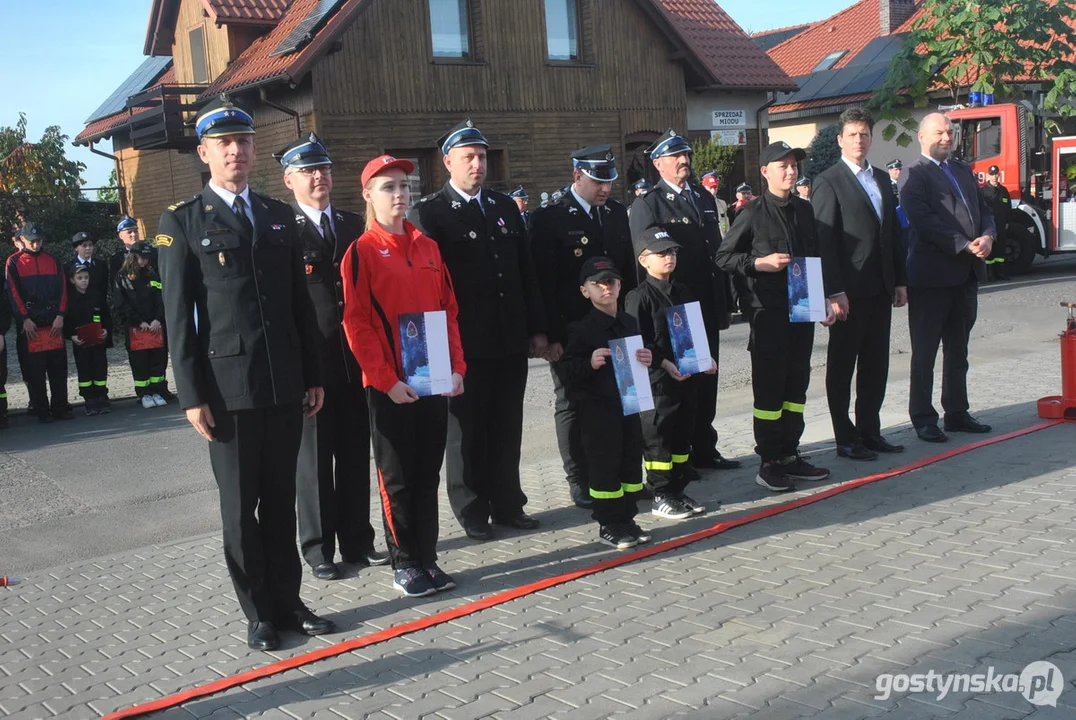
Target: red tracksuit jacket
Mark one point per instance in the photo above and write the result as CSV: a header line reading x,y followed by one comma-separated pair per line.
x,y
385,275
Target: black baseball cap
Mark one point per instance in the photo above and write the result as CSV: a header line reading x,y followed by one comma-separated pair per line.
x,y
655,240
31,231
598,268
780,149
993,170
141,248
75,269
79,238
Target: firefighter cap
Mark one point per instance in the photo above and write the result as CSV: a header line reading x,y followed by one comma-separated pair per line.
x,y
462,135
894,165
127,223
596,162
223,117
671,143
518,193
305,152
79,238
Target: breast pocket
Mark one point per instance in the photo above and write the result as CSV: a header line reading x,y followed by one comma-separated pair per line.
x,y
222,257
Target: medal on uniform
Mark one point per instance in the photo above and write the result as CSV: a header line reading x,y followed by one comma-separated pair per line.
x,y
585,240
208,208
579,252
504,230
473,235
221,259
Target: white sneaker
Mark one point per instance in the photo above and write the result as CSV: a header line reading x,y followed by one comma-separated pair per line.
x,y
159,401
147,402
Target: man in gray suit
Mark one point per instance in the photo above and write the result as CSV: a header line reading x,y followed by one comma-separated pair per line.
x,y
952,234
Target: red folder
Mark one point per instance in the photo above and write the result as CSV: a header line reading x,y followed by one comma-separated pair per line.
x,y
44,341
90,334
139,339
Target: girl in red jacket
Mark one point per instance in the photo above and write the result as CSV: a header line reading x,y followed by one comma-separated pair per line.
x,y
390,270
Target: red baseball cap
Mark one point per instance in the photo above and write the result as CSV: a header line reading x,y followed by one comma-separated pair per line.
x,y
385,162
710,180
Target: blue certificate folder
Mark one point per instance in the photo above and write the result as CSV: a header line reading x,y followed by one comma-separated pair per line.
x,y
806,295
632,377
427,366
691,347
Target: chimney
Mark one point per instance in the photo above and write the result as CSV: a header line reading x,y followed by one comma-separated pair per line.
x,y
893,13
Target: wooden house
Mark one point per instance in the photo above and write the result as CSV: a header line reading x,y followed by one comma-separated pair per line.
x,y
539,77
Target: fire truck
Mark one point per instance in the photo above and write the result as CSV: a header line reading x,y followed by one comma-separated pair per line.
x,y
1039,172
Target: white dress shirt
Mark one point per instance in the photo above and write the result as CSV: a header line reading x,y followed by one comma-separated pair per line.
x,y
315,216
865,176
582,203
468,197
229,199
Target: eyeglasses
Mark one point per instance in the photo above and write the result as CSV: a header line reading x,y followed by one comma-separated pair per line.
x,y
325,170
664,253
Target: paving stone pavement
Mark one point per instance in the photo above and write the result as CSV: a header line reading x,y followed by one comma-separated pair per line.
x,y
954,568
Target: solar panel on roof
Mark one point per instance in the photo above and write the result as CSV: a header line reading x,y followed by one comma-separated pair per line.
x,y
305,30
880,49
774,39
143,77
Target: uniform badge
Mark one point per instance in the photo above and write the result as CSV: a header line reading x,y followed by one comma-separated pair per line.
x,y
585,240
339,216
504,231
491,201
309,269
473,235
456,204
205,242
670,197
208,208
163,241
579,252
573,210
276,227
221,259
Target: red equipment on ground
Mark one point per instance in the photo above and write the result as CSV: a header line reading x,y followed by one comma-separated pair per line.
x,y
1063,406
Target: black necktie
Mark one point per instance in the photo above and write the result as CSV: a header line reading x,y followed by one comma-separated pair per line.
x,y
327,229
596,215
477,206
240,209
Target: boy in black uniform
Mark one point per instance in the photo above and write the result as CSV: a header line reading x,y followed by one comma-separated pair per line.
x,y
5,323
584,223
611,440
763,239
1001,203
669,427
91,361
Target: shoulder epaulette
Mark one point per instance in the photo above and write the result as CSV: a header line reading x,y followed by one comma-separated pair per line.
x,y
181,203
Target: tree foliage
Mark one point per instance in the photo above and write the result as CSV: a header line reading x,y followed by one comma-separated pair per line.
x,y
987,46
38,183
823,151
111,191
712,157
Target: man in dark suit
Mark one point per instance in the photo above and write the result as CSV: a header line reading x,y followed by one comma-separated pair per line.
x,y
245,349
484,244
332,485
952,234
859,238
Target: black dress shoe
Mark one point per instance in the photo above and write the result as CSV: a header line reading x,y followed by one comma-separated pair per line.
x,y
714,461
855,451
326,571
306,622
262,636
369,558
966,424
523,521
931,433
877,443
478,531
581,497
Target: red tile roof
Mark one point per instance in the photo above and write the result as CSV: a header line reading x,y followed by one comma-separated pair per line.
x,y
257,12
103,128
850,29
727,52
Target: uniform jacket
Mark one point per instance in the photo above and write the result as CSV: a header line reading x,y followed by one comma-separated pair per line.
x,y
256,342
36,287
500,306
82,308
943,226
386,275
5,308
647,304
594,331
98,289
321,262
699,235
563,237
140,300
768,225
861,255
1001,204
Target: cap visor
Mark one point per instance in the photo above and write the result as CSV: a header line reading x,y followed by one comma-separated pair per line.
x,y
603,275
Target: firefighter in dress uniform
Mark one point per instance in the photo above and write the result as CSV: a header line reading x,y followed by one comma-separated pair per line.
x,y
244,343
519,195
690,217
585,223
332,485
483,242
894,167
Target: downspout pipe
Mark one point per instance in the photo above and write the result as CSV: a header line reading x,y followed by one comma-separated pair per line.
x,y
286,110
116,160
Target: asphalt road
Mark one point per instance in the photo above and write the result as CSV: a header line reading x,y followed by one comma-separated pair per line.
x,y
97,486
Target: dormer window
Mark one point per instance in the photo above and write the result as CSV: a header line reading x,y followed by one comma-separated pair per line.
x,y
829,60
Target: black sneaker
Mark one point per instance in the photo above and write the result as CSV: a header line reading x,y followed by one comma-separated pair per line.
x,y
694,506
617,536
772,476
413,582
105,407
642,536
440,580
670,507
800,469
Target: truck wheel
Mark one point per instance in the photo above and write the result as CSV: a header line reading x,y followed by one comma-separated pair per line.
x,y
1020,250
